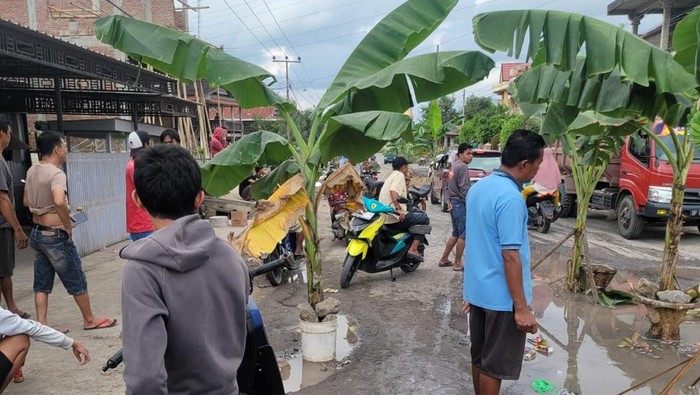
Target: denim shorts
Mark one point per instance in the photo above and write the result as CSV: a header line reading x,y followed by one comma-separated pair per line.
x,y
459,219
55,254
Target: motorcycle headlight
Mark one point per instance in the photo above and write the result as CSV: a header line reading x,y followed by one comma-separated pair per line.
x,y
660,194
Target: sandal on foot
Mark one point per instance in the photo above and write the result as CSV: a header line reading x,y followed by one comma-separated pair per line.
x,y
102,324
415,257
458,268
19,377
444,264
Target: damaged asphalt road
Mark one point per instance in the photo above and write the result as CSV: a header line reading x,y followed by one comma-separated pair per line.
x,y
413,337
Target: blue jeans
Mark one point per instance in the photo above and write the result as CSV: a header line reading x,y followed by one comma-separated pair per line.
x,y
139,236
55,254
459,218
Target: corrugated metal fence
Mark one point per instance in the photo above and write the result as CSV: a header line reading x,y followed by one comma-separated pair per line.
x,y
96,183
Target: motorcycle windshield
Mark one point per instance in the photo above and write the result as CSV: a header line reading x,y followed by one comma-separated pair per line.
x,y
375,206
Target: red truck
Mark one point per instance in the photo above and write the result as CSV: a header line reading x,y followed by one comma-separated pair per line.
x,y
637,185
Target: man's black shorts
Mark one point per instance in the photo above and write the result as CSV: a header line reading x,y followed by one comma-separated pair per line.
x,y
498,346
5,367
7,252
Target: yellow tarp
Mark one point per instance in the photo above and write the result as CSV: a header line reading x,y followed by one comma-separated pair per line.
x,y
273,218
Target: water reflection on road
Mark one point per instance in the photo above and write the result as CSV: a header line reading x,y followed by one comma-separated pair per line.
x,y
587,358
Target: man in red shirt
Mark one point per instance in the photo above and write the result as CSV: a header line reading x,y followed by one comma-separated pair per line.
x,y
138,222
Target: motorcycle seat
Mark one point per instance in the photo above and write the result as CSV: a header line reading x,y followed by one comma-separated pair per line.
x,y
420,229
421,191
371,184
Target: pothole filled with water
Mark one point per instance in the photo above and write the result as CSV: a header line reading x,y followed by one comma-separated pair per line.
x,y
298,374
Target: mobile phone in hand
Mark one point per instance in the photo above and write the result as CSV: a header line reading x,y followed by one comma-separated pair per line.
x,y
78,218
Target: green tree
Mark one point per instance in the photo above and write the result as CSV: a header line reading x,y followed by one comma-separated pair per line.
x,y
483,125
448,111
477,105
302,118
510,124
361,111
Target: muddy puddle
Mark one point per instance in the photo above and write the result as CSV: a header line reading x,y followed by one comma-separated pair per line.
x,y
298,374
588,356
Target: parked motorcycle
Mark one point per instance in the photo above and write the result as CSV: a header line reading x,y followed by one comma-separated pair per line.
x,y
340,220
287,245
375,247
259,373
542,210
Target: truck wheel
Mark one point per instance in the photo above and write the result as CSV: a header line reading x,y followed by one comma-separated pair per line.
x,y
568,202
628,221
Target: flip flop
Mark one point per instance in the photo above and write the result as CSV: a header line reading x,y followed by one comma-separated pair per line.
x,y
19,377
415,257
458,268
444,264
102,324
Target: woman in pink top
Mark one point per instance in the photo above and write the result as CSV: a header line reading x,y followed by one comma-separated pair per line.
x,y
218,141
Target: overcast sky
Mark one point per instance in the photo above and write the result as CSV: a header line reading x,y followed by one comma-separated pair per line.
x,y
324,33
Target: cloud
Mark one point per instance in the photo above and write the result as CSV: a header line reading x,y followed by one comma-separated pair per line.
x,y
324,33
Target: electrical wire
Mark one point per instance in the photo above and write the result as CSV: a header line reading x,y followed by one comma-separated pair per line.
x,y
288,42
246,26
262,25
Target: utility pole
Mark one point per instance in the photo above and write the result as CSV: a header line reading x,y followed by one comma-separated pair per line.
x,y
286,62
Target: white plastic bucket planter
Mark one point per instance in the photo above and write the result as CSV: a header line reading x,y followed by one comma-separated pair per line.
x,y
318,340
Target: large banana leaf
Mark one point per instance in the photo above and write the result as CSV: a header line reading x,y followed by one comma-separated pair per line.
x,y
357,136
430,76
557,38
685,42
590,123
388,42
189,59
608,95
232,165
434,119
267,185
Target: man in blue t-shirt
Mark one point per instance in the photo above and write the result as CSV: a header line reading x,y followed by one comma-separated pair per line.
x,y
497,287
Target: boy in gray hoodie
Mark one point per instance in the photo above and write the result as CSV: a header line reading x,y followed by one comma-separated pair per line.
x,y
184,290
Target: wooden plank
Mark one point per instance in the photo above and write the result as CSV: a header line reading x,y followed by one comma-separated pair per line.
x,y
228,205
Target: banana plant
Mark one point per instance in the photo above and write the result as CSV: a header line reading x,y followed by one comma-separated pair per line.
x,y
362,110
620,76
589,156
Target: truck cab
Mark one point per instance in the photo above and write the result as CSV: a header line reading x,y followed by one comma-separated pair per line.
x,y
637,185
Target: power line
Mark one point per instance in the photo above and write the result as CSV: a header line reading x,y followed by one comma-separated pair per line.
x,y
346,4
246,26
261,25
288,42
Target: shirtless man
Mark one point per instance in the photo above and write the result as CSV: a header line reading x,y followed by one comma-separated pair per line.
x,y
51,237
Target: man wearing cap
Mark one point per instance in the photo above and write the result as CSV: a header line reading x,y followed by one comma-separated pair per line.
x,y
10,230
138,222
